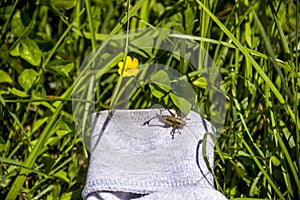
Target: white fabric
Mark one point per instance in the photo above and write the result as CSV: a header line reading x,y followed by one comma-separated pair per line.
x,y
132,161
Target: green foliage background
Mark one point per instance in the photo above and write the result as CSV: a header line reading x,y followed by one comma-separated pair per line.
x,y
254,44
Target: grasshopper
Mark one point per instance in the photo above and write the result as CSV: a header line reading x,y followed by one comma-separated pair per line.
x,y
170,120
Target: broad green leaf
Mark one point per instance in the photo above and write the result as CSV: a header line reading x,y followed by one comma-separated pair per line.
x,y
16,51
242,153
254,189
74,168
75,194
27,78
41,95
38,123
162,80
57,5
63,4
166,99
10,161
287,134
140,41
53,141
17,26
56,192
159,8
60,67
62,175
156,92
51,6
200,82
18,93
275,161
63,128
4,77
3,92
248,33
182,88
67,196
6,11
2,148
2,141
182,104
189,20
29,51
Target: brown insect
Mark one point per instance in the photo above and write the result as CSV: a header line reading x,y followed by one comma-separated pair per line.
x,y
169,120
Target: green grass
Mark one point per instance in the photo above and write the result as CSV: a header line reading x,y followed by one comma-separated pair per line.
x,y
254,44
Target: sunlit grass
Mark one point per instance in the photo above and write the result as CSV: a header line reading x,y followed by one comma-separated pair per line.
x,y
254,44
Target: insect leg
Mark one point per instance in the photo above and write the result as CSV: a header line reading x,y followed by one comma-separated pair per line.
x,y
172,114
172,133
147,122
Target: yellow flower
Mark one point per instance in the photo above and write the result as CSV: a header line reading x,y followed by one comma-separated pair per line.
x,y
130,67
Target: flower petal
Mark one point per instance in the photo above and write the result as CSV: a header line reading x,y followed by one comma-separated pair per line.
x,y
135,63
120,71
120,64
131,72
130,68
128,63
